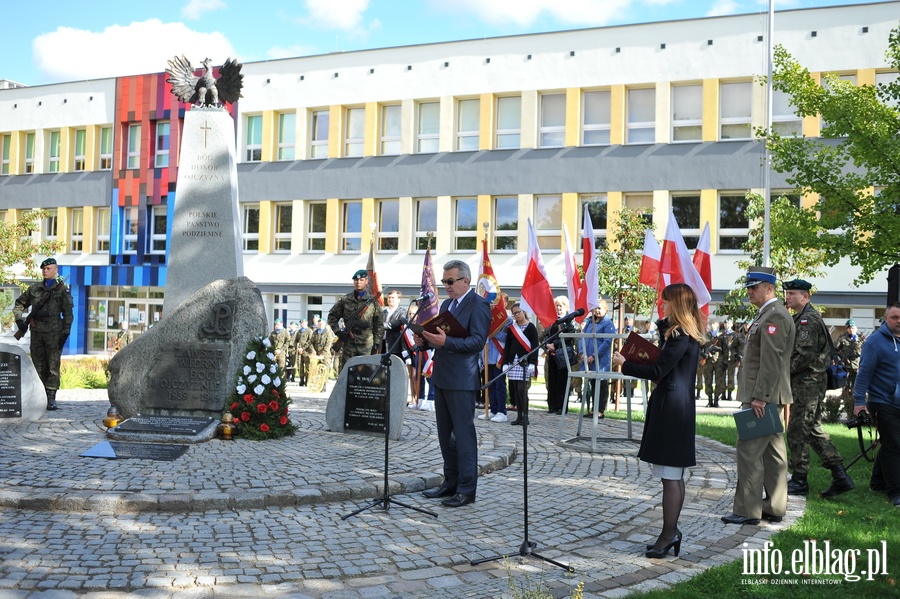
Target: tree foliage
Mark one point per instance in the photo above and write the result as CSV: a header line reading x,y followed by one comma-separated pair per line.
x,y
619,268
19,251
858,151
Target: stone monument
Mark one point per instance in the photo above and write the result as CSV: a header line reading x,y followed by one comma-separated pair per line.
x,y
205,244
22,394
357,404
186,364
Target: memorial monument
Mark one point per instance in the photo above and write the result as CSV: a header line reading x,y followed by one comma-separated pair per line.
x,y
22,394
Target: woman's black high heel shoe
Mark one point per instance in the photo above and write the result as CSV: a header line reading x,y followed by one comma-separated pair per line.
x,y
674,544
677,534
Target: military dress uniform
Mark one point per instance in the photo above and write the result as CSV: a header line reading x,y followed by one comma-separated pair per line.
x,y
320,343
810,357
303,348
364,319
281,341
49,328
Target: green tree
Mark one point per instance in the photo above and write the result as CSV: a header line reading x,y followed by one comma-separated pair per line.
x,y
858,151
787,254
619,266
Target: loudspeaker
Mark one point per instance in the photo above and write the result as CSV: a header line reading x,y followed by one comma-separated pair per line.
x,y
893,290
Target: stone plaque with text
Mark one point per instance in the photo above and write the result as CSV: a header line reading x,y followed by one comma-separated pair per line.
x,y
170,425
10,385
190,376
366,406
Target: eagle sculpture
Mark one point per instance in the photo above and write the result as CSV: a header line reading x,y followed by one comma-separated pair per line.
x,y
205,90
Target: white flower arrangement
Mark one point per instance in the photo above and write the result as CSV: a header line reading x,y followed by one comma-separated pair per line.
x,y
251,355
266,342
241,389
259,389
265,379
246,369
271,356
277,381
260,367
272,368
251,378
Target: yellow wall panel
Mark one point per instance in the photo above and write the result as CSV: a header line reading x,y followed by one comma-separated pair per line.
x,y
573,116
486,124
709,213
332,225
617,118
335,131
372,132
710,127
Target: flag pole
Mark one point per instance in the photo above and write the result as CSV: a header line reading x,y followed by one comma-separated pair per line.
x,y
487,391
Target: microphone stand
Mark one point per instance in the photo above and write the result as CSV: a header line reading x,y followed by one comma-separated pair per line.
x,y
386,500
526,549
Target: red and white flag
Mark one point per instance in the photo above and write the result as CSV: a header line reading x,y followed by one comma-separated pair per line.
x,y
488,288
703,263
536,293
591,282
574,284
649,274
374,286
676,265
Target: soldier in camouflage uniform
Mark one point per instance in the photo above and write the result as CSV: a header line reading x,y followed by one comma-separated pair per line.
x,y
849,346
710,355
303,349
363,318
731,345
809,359
281,341
50,325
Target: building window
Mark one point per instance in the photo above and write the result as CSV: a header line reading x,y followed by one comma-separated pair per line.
x,y
284,214
734,110
552,132
467,124
318,143
643,203
6,141
103,228
134,146
641,124
390,130
465,231
250,228
355,132
597,206
79,159
388,225
595,118
849,79
548,222
509,122
784,120
687,113
158,224
506,223
883,79
428,127
254,138
315,232
287,135
426,222
76,237
53,152
50,226
686,209
351,226
162,144
106,148
29,153
734,227
130,225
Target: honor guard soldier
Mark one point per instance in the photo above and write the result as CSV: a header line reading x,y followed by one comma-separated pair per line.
x,y
303,345
280,340
849,347
363,320
50,321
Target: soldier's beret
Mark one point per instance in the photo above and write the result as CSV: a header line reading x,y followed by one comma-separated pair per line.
x,y
293,323
277,321
302,320
850,323
759,274
797,285
48,262
361,274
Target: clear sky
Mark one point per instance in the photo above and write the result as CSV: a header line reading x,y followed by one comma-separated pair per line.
x,y
66,40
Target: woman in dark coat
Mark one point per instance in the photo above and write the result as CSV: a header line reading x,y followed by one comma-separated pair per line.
x,y
669,424
520,340
557,375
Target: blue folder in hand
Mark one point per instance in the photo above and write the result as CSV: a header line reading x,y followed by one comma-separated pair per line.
x,y
751,427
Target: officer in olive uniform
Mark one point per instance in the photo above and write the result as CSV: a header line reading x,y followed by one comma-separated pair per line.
x,y
320,342
809,359
303,348
363,319
124,337
281,341
51,321
849,346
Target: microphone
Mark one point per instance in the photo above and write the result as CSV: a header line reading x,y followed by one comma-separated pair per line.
x,y
570,316
429,295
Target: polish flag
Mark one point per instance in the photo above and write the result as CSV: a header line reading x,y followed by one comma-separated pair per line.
x,y
591,283
536,293
574,284
676,266
703,263
650,261
374,287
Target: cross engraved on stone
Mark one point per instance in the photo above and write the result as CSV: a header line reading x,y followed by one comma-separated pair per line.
x,y
220,322
206,129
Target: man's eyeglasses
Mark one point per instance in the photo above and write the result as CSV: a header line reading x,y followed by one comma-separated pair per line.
x,y
450,282
517,312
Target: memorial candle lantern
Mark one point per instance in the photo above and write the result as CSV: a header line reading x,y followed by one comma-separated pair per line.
x,y
226,427
113,418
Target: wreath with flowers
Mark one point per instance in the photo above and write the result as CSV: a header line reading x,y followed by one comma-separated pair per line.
x,y
259,403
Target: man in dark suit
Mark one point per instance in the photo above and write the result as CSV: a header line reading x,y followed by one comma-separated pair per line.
x,y
456,383
765,379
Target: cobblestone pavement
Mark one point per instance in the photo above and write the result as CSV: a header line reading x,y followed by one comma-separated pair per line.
x,y
264,519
